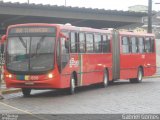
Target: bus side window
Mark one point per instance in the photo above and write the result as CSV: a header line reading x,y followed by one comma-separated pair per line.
x,y
97,43
89,43
73,42
141,44
134,47
148,45
64,51
152,44
125,44
105,44
82,45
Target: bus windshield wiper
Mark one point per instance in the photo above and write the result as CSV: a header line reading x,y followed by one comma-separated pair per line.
x,y
39,44
23,43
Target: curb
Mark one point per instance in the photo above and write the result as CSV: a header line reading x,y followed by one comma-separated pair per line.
x,y
155,76
9,91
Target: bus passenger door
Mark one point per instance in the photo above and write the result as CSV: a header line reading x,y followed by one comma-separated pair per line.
x,y
64,54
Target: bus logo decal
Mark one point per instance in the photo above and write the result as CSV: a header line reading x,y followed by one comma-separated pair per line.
x,y
73,63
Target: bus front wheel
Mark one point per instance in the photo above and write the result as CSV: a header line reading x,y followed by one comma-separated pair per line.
x,y
72,85
26,92
139,77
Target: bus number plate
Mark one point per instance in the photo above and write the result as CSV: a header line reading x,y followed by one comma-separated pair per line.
x,y
29,83
34,77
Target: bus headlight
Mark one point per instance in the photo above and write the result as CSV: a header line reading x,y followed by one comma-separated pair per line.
x,y
50,75
9,76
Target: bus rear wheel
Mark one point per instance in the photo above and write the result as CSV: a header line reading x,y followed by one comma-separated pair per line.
x,y
105,79
26,92
139,77
72,85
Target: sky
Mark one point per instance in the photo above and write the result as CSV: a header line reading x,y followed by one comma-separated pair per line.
x,y
100,4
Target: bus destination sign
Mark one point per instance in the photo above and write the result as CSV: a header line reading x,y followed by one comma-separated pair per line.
x,y
31,30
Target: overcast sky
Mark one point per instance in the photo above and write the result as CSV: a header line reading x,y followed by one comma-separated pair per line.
x,y
101,4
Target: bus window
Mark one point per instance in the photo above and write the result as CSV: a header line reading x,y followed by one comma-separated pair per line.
x,y
82,46
98,43
64,54
125,44
141,44
58,55
148,44
133,42
105,44
73,42
152,44
89,43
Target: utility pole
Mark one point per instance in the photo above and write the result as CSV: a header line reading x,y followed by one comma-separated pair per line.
x,y
65,2
28,1
149,16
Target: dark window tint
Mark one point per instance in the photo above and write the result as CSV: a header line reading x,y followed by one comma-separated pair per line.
x,y
58,55
105,44
97,43
89,43
152,44
133,42
141,44
148,44
125,44
82,46
73,42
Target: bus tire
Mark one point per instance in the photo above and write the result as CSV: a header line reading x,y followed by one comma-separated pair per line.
x,y
105,79
26,92
139,76
72,85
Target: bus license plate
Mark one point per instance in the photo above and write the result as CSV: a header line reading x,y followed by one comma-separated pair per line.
x,y
29,83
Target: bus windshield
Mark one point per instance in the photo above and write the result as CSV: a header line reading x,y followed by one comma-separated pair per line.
x,y
30,54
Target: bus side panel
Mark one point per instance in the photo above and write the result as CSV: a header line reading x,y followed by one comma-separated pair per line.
x,y
150,64
129,65
64,81
72,66
93,67
89,68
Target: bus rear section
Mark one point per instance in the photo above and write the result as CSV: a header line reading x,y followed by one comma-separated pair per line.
x,y
137,56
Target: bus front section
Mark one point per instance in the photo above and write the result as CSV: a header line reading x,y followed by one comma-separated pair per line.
x,y
30,57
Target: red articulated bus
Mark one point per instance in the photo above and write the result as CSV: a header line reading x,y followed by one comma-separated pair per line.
x,y
46,56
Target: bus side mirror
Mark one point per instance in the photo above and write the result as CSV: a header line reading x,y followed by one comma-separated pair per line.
x,y
2,48
65,39
67,44
3,39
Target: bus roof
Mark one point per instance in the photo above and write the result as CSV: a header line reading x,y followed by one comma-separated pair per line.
x,y
83,29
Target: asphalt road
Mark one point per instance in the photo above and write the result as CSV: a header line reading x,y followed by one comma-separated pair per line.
x,y
121,97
